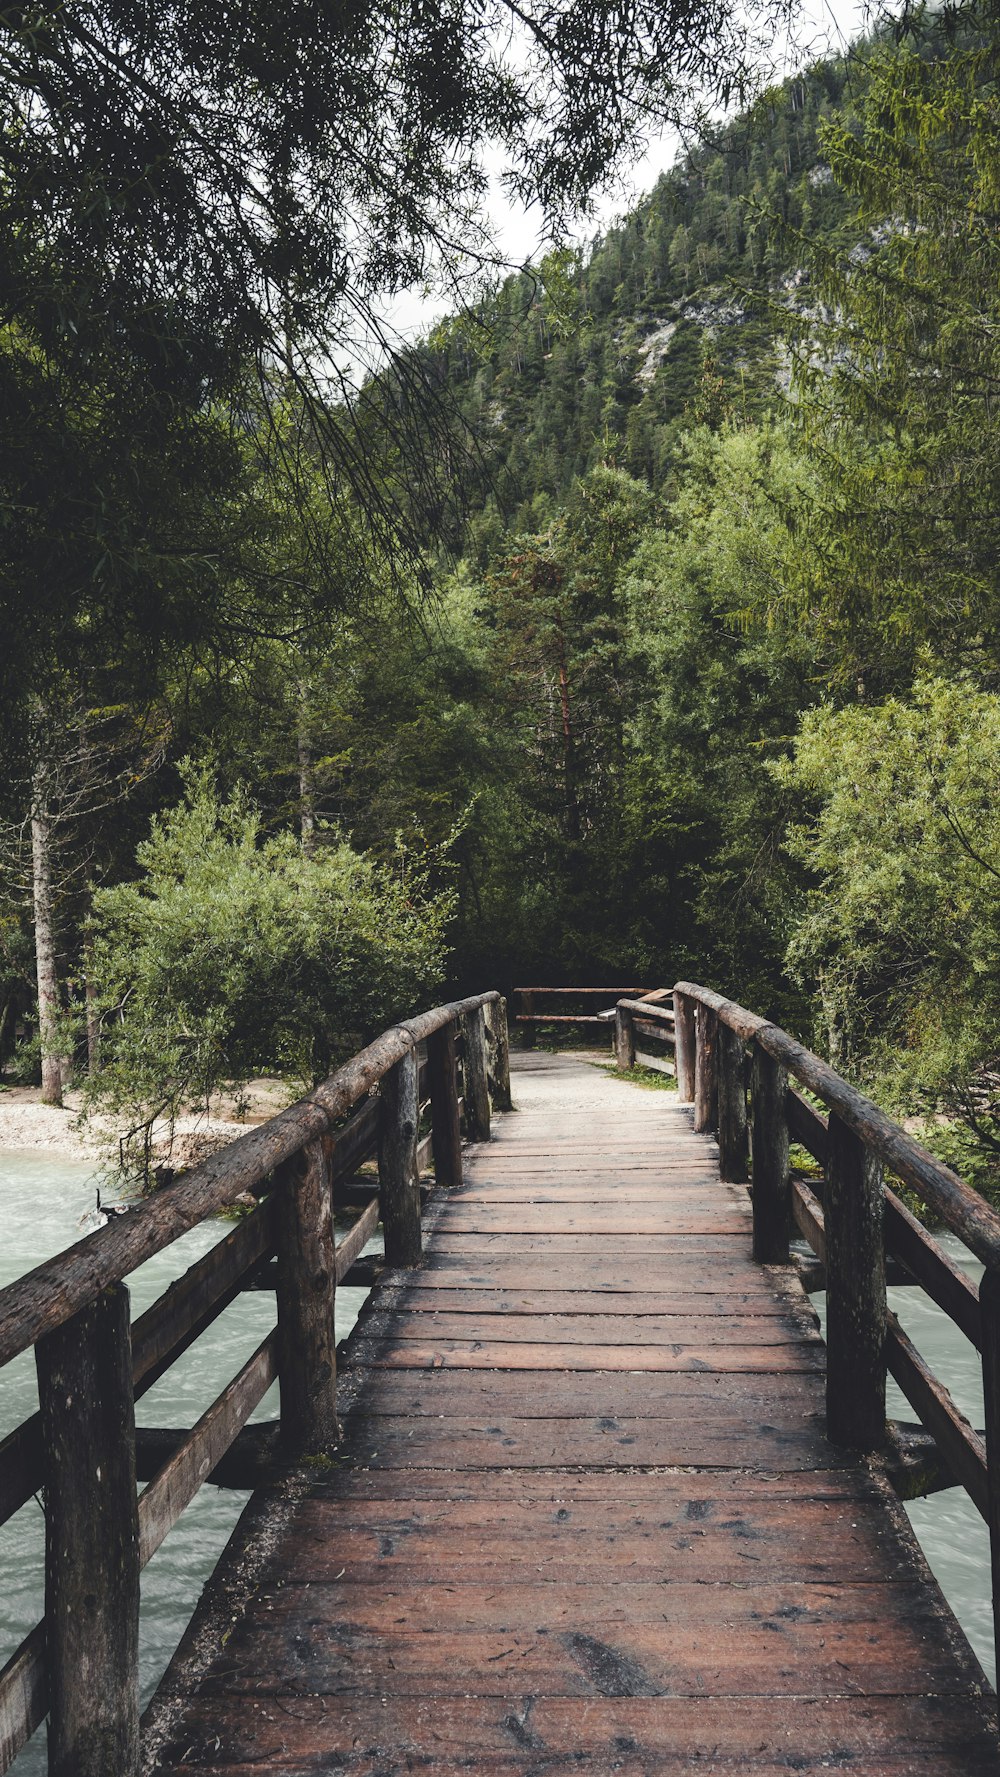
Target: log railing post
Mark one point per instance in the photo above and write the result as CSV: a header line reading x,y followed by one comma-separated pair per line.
x,y
624,1039
706,1026
501,1055
398,1179
684,1046
989,1309
477,1086
306,1292
732,1106
528,1029
442,1085
769,1151
91,1541
855,1291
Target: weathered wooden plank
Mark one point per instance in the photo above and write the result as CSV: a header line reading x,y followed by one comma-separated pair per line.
x,y
715,1732
189,1305
599,1330
527,1221
497,1354
943,1280
886,1652
605,993
775,1442
358,1238
495,1269
24,1695
474,1394
355,1141
558,1018
657,1063
525,1192
807,1214
730,1491
962,1448
178,1481
20,1466
422,1298
557,1247
608,1551
427,1607
252,1460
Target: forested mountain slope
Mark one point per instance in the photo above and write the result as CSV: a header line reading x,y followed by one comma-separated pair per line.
x,y
610,351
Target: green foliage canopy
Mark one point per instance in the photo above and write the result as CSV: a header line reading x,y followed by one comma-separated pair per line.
x,y
900,935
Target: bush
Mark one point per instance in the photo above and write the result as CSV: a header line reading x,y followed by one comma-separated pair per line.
x,y
234,954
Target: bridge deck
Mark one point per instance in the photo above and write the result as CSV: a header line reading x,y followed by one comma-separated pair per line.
x,y
585,1519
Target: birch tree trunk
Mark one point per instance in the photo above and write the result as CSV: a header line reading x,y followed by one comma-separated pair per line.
x,y
307,786
93,1023
45,945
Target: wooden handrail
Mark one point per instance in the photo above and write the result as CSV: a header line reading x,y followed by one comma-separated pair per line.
x,y
50,1294
80,1665
856,1225
527,1016
966,1213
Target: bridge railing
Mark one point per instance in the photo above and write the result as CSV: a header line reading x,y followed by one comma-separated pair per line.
x,y
738,1071
578,1007
81,1449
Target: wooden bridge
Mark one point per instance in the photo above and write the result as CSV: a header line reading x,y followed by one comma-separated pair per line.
x,y
589,1492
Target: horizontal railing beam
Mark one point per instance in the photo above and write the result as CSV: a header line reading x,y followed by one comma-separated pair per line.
x,y
191,1463
961,1447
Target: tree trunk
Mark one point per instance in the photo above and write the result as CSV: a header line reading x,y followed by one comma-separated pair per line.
x,y
569,762
93,1025
45,945
307,784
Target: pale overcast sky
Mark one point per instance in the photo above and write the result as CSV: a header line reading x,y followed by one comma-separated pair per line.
x,y
825,26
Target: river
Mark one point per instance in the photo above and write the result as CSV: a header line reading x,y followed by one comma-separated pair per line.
x,y
44,1200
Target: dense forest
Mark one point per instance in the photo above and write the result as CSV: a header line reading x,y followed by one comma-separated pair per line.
x,y
676,655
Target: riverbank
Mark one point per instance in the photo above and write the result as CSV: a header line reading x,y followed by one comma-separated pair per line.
x,y
27,1124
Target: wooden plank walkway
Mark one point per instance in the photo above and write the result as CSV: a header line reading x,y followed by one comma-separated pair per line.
x,y
585,1519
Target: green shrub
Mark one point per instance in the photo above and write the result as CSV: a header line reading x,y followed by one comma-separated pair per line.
x,y
235,954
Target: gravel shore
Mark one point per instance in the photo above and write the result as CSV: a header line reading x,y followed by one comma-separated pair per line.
x,y
27,1123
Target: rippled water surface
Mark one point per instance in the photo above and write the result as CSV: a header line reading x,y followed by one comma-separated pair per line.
x,y
44,1200
950,1530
